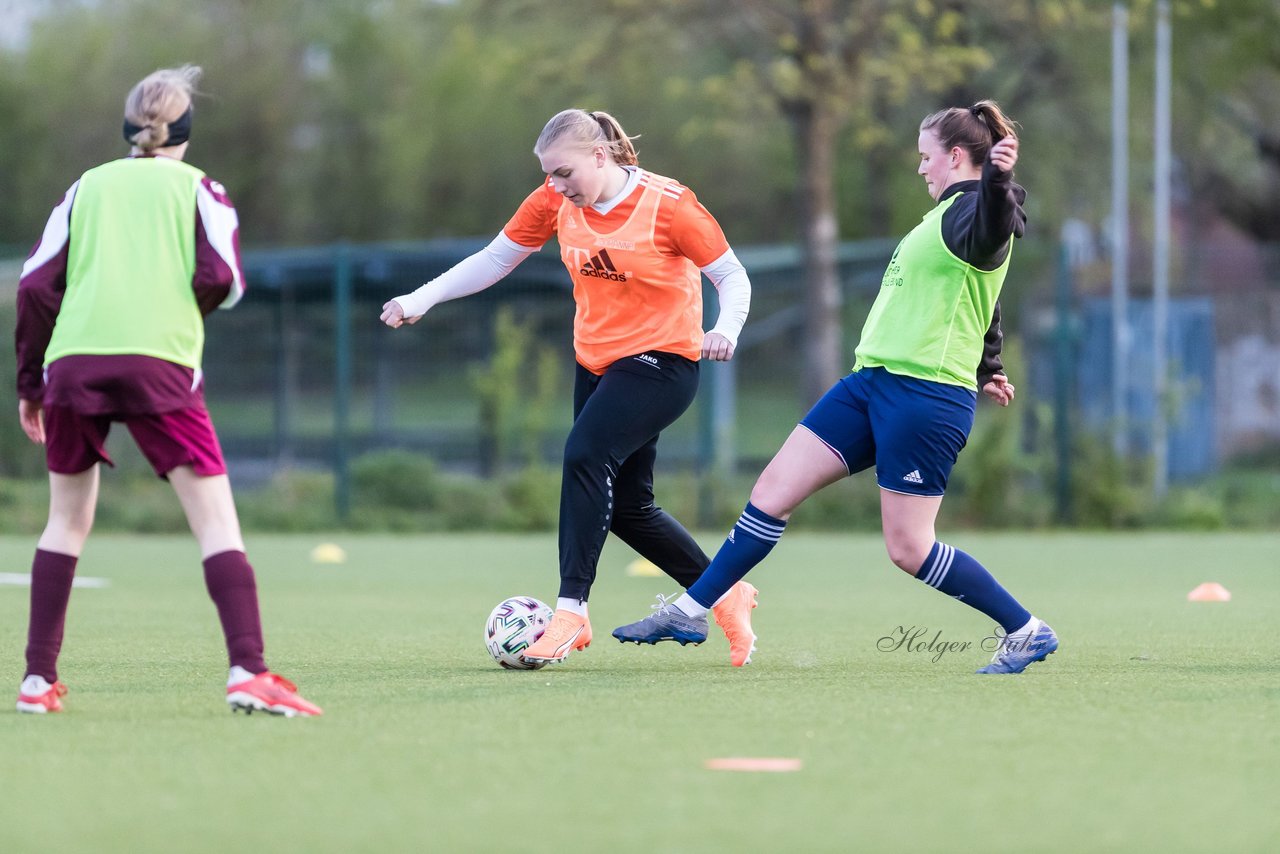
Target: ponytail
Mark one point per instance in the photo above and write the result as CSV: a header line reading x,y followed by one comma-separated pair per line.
x,y
589,130
975,129
157,111
989,113
618,144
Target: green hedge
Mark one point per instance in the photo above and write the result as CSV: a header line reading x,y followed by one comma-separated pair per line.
x,y
1005,478
402,492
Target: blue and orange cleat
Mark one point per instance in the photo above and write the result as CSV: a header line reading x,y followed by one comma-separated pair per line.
x,y
666,623
1015,654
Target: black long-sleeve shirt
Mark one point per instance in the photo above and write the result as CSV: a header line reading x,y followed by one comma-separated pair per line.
x,y
976,230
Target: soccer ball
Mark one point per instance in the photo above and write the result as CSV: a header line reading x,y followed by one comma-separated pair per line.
x,y
512,627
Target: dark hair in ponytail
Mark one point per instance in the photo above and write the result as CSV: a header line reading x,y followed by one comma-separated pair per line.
x,y
975,129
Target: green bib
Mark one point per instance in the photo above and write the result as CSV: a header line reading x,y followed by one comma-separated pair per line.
x,y
131,259
933,310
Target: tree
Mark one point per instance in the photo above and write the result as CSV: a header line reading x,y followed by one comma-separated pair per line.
x,y
820,64
824,63
1230,109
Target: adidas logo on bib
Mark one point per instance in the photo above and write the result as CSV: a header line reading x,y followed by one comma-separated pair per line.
x,y
914,477
601,267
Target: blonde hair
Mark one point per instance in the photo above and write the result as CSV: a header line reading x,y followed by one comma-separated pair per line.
x,y
158,99
975,129
589,130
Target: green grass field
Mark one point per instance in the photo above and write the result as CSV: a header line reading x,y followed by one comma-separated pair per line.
x,y
1154,728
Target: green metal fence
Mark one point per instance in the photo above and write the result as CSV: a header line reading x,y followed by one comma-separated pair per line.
x,y
302,373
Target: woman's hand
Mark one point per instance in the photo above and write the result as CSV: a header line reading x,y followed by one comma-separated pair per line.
x,y
1004,154
716,348
393,315
999,389
31,416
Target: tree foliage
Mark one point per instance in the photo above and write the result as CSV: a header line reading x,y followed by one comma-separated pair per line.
x,y
1228,111
412,118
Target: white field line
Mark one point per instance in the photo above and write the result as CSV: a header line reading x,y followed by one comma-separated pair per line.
x,y
23,579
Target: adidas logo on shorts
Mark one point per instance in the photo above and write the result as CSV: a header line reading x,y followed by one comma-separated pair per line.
x,y
914,477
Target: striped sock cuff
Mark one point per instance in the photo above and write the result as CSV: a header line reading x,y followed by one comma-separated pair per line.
x,y
759,525
937,565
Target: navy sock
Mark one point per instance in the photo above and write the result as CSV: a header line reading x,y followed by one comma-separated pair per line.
x,y
750,541
958,575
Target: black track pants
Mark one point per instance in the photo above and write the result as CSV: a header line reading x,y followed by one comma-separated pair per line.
x,y
608,469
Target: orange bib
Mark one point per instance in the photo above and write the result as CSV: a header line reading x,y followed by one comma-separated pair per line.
x,y
630,296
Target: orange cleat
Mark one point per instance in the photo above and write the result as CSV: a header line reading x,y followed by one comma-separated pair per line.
x,y
272,693
733,614
36,696
566,633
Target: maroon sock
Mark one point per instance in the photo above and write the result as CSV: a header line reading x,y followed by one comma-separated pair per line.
x,y
229,578
51,576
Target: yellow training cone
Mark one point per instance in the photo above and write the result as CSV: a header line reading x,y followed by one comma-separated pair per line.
x,y
643,568
328,553
1210,591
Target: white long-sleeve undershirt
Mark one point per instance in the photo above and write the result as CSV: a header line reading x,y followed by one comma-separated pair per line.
x,y
492,263
734,291
469,276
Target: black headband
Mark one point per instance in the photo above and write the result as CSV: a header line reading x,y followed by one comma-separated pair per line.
x,y
179,130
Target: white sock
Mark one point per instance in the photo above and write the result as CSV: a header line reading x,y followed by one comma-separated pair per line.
x,y
1026,631
238,675
573,606
689,606
34,685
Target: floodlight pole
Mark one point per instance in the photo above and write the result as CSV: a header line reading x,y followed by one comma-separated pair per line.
x,y
342,292
717,455
1160,262
1119,229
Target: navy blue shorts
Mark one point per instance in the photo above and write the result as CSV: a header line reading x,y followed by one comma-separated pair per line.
x,y
912,430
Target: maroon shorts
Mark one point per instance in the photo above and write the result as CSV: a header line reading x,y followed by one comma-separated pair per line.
x,y
75,442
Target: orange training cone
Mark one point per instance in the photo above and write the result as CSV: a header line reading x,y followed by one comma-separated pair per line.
x,y
1210,591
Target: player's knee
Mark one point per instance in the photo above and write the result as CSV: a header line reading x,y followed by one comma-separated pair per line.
x,y
73,524
907,553
582,454
626,514
768,498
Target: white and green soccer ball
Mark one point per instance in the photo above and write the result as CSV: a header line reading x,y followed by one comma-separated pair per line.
x,y
512,628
